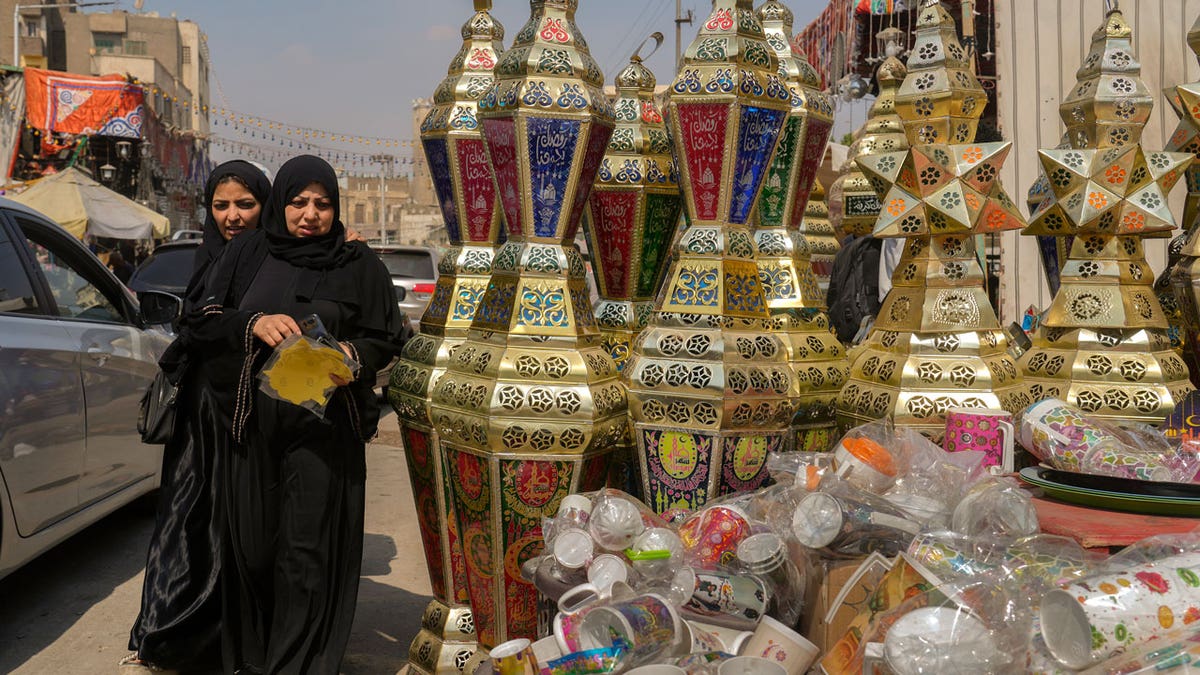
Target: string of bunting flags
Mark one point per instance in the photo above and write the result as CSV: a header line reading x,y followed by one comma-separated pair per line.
x,y
285,150
273,130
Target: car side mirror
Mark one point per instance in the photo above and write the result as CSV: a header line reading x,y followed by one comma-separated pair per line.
x,y
401,293
159,308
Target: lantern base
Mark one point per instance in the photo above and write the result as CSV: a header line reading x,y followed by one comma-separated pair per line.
x,y
423,363
710,396
915,378
1126,376
446,642
820,368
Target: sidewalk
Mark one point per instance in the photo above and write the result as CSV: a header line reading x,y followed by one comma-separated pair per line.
x,y
394,587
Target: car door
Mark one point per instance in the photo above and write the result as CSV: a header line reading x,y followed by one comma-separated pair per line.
x,y
117,360
42,414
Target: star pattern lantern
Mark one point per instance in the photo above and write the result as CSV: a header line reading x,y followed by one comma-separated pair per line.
x,y
1179,295
1103,345
710,387
941,100
462,177
530,406
817,230
785,268
854,203
936,343
630,222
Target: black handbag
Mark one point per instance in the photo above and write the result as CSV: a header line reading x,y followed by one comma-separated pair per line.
x,y
156,419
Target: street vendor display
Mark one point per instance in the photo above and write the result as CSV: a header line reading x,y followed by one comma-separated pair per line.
x,y
630,222
1103,344
936,343
530,408
462,178
785,268
710,387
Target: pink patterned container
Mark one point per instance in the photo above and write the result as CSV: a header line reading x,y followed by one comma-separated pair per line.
x,y
988,430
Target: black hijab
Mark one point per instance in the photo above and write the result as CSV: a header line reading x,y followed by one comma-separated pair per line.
x,y
325,252
254,180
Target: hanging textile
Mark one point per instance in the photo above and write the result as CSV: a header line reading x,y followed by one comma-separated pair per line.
x,y
10,120
82,105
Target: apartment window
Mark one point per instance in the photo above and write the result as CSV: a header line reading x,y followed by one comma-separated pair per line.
x,y
360,213
187,55
135,47
107,43
33,27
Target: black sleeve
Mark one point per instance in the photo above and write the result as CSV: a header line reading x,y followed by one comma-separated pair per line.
x,y
381,333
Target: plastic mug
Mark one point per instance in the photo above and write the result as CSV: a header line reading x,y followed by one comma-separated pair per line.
x,y
985,429
773,641
514,657
750,665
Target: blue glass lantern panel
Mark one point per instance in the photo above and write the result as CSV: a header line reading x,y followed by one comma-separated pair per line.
x,y
438,156
551,158
757,133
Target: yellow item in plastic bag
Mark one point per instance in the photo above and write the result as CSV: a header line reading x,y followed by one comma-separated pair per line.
x,y
299,373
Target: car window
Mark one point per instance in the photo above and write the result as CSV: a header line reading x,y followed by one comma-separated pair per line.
x,y
168,267
417,265
16,290
74,284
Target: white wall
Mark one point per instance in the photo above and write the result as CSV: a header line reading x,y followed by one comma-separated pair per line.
x,y
1039,46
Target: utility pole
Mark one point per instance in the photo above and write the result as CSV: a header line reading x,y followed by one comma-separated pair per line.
x,y
680,19
385,165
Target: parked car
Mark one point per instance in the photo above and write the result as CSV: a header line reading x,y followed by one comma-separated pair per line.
x,y
169,268
76,353
414,269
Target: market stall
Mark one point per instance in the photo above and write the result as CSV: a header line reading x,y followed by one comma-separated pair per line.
x,y
956,503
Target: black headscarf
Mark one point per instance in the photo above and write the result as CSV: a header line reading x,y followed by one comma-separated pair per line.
x,y
258,184
325,252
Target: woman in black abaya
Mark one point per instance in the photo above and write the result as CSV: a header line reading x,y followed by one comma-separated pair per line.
x,y
178,625
294,483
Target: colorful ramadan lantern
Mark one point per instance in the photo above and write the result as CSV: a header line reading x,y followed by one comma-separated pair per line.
x,y
936,343
1184,263
530,407
462,178
785,270
710,387
1103,344
817,230
854,204
632,217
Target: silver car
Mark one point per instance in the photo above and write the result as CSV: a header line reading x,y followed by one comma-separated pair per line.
x,y
415,270
76,353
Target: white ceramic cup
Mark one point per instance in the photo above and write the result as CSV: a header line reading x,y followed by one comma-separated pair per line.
x,y
750,665
776,642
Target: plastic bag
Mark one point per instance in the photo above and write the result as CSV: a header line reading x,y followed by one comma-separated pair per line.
x,y
300,372
1066,439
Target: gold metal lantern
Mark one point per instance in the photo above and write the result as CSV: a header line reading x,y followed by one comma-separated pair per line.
x,y
710,387
854,202
817,230
936,343
785,270
530,406
1184,268
630,223
1103,345
453,143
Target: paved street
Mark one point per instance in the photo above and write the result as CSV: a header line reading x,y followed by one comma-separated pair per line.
x,y
70,610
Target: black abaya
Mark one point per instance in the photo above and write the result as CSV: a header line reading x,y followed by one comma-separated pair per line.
x,y
178,623
294,484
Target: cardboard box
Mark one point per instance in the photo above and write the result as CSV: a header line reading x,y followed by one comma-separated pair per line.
x,y
829,578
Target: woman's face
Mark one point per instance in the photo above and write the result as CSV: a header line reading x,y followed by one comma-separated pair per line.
x,y
309,213
235,209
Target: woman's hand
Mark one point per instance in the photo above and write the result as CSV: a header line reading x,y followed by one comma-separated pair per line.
x,y
275,328
354,235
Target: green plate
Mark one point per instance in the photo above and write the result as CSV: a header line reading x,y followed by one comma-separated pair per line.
x,y
1110,499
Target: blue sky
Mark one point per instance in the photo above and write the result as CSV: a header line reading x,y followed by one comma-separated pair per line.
x,y
355,66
